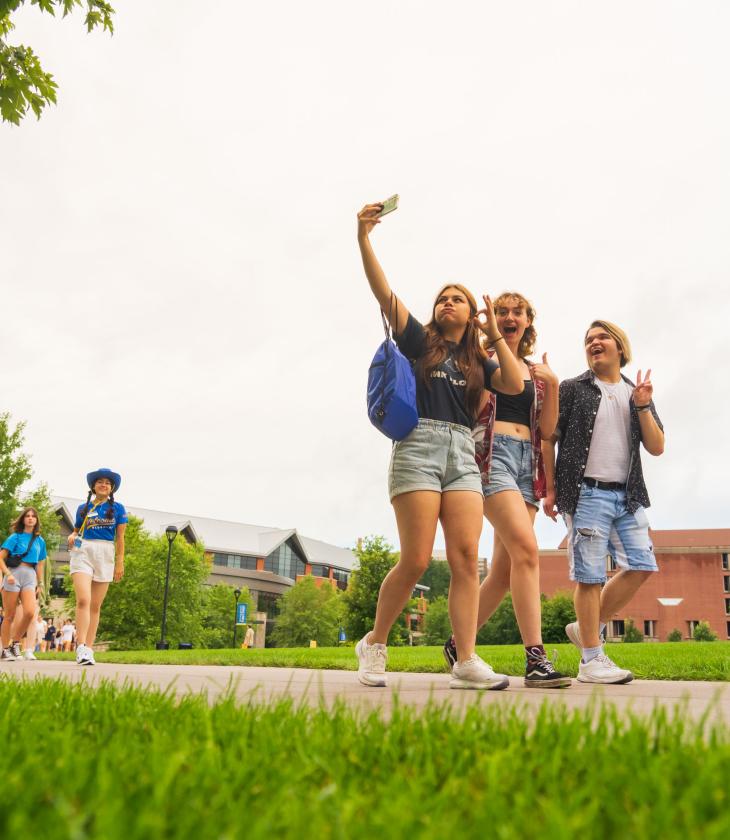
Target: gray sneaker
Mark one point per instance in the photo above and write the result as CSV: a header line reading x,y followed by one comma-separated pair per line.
x,y
475,673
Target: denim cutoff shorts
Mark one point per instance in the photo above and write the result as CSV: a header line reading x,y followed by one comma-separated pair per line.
x,y
511,468
601,525
435,456
25,578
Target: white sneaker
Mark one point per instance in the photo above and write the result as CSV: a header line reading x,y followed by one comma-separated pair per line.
x,y
8,655
372,660
572,631
603,670
82,655
475,673
89,658
28,654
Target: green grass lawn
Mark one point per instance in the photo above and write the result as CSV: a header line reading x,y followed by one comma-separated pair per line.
x,y
134,764
655,661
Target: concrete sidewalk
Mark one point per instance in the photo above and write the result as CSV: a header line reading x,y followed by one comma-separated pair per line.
x,y
318,686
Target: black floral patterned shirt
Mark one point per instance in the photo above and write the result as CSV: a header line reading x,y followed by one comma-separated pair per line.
x,y
579,401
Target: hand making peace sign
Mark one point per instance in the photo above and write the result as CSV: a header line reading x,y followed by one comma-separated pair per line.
x,y
644,390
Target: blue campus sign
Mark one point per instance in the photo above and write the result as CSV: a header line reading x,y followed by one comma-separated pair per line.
x,y
241,613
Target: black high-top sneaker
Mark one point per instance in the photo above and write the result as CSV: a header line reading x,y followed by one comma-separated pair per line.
x,y
450,653
540,673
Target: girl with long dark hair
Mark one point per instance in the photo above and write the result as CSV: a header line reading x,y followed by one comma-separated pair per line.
x,y
22,556
433,474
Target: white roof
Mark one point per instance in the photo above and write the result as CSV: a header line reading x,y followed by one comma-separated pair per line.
x,y
229,537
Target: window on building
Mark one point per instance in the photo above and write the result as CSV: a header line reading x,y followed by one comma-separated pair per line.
x,y
58,586
725,560
610,563
650,628
691,627
728,629
318,570
342,577
726,583
268,602
618,626
234,561
727,605
285,561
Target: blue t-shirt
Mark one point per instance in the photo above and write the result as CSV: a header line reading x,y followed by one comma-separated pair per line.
x,y
18,544
102,521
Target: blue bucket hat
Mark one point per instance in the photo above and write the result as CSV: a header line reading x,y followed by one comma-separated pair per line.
x,y
104,472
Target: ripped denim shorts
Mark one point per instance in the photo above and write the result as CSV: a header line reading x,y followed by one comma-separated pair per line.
x,y
602,526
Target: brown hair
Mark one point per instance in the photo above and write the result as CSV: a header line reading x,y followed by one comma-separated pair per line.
x,y
527,343
618,335
470,354
19,524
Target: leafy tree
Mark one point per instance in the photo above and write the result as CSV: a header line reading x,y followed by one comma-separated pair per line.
x,y
218,615
14,469
704,633
308,611
438,578
376,558
437,622
556,613
632,632
132,613
24,84
674,635
501,629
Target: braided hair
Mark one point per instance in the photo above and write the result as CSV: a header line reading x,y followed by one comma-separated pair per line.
x,y
87,505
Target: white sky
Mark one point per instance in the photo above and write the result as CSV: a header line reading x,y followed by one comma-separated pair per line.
x,y
182,294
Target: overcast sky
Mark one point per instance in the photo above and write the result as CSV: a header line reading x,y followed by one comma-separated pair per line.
x,y
183,299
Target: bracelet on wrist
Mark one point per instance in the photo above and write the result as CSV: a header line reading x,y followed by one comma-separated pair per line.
x,y
495,340
642,408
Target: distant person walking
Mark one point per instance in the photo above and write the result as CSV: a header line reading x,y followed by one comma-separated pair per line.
x,y
598,486
433,474
48,637
22,556
248,639
68,631
97,555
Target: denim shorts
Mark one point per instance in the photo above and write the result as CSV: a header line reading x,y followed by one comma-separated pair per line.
x,y
435,456
601,525
25,578
511,468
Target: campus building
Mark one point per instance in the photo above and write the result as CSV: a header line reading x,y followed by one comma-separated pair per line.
x,y
268,561
692,585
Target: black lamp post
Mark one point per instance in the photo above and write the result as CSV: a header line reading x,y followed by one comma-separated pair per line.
x,y
170,533
237,593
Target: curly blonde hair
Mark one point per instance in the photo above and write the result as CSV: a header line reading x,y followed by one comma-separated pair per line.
x,y
529,339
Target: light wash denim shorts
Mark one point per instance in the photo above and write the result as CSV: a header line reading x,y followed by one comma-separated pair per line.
x,y
601,525
511,468
25,578
435,456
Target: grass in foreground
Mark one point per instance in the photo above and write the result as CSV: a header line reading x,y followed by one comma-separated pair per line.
x,y
650,661
127,763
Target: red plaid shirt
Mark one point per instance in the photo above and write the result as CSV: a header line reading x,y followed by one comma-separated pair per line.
x,y
483,433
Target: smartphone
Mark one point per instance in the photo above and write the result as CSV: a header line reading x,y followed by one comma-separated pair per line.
x,y
389,205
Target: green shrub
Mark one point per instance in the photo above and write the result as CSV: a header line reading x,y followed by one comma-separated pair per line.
x,y
438,625
675,635
632,632
704,633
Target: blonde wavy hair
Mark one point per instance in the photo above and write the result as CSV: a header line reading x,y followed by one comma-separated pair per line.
x,y
528,341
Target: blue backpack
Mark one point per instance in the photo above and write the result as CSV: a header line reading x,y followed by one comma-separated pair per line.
x,y
392,387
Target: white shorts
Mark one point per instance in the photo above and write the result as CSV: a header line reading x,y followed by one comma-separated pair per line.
x,y
94,558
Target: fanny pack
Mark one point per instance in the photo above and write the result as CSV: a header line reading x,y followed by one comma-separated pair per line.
x,y
391,386
12,561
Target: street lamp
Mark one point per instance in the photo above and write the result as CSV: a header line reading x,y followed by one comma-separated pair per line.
x,y
237,593
170,533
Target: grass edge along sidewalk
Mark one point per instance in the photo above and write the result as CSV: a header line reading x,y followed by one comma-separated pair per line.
x,y
123,762
655,661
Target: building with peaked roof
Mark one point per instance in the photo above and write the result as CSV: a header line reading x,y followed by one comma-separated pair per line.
x,y
268,561
692,585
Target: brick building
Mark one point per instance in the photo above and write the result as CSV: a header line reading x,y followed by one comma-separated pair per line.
x,y
692,585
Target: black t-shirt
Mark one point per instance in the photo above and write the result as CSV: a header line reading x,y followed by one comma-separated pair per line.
x,y
445,399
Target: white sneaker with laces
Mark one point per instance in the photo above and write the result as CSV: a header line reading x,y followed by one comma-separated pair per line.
x,y
603,670
8,655
89,658
475,673
372,660
81,654
572,631
28,654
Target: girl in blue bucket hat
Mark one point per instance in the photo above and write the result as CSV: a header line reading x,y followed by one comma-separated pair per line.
x,y
97,555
